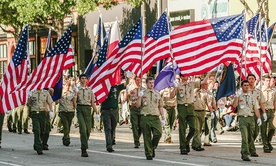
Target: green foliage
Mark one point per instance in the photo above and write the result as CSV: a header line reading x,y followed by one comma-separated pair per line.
x,y
48,13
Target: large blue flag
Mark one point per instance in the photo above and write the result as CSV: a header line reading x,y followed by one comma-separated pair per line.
x,y
166,77
227,84
101,33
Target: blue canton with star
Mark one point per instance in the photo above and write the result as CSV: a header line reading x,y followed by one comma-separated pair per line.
x,y
228,28
20,52
263,34
135,33
252,25
103,52
61,47
160,28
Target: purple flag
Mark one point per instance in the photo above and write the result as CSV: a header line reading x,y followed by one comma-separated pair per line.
x,y
166,77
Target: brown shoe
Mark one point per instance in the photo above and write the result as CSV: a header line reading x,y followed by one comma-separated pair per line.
x,y
84,153
205,144
169,140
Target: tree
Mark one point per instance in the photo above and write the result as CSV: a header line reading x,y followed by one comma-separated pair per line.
x,y
47,13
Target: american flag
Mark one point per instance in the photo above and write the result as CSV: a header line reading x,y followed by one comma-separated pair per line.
x,y
251,62
98,43
257,47
128,50
200,46
157,46
61,57
100,61
16,74
262,39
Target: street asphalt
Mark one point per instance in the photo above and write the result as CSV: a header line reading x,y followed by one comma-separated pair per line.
x,y
17,150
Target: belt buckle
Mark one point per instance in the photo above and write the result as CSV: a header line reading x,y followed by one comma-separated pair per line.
x,y
246,116
186,105
145,114
37,112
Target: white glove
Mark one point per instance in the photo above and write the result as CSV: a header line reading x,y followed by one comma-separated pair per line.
x,y
238,92
7,112
265,116
98,118
51,114
217,113
212,115
29,94
175,83
141,93
162,122
76,88
259,122
128,74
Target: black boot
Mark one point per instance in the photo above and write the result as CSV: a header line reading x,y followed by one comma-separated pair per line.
x,y
84,153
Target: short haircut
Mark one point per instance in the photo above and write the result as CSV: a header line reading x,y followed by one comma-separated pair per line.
x,y
267,76
251,75
244,81
149,79
82,75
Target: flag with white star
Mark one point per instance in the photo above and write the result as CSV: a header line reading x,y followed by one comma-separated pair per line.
x,y
60,57
128,50
16,73
200,46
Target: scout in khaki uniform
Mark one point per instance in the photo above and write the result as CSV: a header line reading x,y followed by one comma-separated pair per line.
x,y
135,116
210,113
169,105
18,118
258,94
247,106
267,127
67,105
85,100
151,105
203,103
39,101
184,92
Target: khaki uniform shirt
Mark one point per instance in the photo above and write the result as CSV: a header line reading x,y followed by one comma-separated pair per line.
x,y
132,95
203,99
167,98
185,93
40,100
270,97
247,103
85,96
151,101
258,94
66,102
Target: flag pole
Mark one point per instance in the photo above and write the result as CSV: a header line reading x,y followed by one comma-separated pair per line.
x,y
28,51
243,47
142,50
142,40
170,44
259,43
267,41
